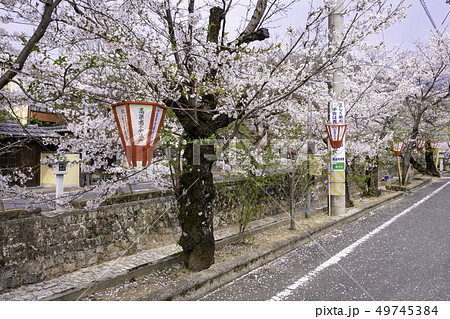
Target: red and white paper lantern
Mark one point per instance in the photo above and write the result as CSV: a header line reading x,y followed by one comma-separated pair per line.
x,y
420,144
336,133
434,145
397,147
139,124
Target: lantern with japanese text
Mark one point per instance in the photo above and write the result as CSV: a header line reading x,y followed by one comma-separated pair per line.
x,y
336,133
139,124
397,147
433,145
420,144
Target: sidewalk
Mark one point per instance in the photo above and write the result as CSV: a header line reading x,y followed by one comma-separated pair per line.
x,y
272,240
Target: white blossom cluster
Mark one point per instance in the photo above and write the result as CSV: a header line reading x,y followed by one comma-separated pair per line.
x,y
96,53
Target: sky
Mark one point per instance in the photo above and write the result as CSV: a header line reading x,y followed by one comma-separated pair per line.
x,y
417,24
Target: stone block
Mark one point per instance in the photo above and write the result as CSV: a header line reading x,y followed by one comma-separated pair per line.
x,y
6,273
80,255
113,255
68,267
92,260
48,263
54,271
59,260
100,250
98,241
110,248
33,267
30,278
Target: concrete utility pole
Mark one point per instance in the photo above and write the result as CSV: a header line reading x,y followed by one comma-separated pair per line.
x,y
337,170
310,151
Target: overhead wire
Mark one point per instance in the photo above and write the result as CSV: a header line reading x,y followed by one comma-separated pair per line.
x,y
445,17
428,13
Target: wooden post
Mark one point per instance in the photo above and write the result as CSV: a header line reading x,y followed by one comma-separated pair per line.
x,y
437,158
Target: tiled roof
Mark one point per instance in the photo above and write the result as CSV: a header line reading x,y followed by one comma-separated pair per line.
x,y
16,130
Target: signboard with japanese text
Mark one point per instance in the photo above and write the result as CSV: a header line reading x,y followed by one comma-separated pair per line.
x,y
337,116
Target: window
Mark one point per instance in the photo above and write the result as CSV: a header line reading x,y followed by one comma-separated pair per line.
x,y
8,160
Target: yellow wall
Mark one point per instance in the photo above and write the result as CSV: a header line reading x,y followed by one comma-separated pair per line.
x,y
72,178
20,111
22,114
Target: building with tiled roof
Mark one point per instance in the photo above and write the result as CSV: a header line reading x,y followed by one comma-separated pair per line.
x,y
21,147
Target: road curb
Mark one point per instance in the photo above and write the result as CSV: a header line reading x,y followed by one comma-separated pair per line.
x,y
220,274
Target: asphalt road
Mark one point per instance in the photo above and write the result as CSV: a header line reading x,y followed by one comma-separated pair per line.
x,y
398,252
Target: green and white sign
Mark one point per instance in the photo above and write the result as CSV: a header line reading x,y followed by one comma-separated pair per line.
x,y
339,166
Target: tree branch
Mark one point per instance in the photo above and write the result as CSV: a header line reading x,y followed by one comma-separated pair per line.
x,y
49,8
255,20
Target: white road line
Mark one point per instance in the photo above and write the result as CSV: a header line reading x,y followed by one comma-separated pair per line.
x,y
346,251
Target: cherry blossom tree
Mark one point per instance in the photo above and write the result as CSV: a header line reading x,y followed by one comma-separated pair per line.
x,y
374,108
184,55
425,76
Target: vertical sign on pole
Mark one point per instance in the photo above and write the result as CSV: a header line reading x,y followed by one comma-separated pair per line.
x,y
337,174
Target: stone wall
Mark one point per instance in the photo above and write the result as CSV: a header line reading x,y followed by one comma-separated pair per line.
x,y
37,248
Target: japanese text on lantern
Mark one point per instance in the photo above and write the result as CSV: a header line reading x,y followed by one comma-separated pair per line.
x,y
124,122
140,131
155,126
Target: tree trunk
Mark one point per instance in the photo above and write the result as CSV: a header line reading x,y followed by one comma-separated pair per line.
x,y
348,201
372,181
406,161
195,197
430,163
416,165
410,146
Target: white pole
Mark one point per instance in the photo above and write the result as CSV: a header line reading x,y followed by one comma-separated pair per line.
x,y
309,152
335,27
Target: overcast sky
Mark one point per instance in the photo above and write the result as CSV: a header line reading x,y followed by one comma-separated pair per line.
x,y
417,24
